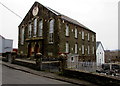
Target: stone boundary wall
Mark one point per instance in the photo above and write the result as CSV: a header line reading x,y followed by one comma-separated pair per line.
x,y
94,78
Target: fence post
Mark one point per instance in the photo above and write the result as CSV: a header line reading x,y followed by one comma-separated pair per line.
x,y
39,61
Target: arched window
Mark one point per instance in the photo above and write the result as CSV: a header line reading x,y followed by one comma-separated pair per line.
x,y
29,30
88,36
67,30
92,38
82,34
88,49
40,29
35,27
22,35
51,30
83,49
76,35
76,48
67,47
93,50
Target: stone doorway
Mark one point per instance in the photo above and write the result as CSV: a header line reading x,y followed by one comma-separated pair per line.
x,y
36,48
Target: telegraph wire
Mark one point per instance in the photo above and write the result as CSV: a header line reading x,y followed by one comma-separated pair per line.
x,y
10,10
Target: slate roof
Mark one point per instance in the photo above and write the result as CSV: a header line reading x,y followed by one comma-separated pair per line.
x,y
67,18
63,17
55,12
98,43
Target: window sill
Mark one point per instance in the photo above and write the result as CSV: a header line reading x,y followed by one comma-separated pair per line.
x,y
67,36
76,37
50,42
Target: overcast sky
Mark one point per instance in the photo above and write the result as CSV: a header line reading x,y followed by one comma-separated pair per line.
x,y
101,16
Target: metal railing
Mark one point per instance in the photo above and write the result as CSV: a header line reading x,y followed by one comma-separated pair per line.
x,y
83,66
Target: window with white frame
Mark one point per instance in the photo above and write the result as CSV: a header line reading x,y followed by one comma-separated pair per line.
x,y
29,30
93,50
67,30
40,29
82,34
67,47
76,33
83,50
92,38
51,30
22,35
88,49
35,27
88,36
76,48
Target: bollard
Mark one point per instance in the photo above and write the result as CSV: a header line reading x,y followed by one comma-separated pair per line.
x,y
8,56
39,61
11,56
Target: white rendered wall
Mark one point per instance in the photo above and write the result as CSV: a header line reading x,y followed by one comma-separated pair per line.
x,y
8,45
100,58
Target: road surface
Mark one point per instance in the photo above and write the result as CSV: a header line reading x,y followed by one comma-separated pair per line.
x,y
12,76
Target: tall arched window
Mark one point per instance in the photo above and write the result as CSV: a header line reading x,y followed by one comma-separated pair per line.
x,y
35,27
22,35
51,30
29,30
40,29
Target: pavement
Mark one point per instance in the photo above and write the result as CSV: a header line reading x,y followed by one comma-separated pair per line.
x,y
48,75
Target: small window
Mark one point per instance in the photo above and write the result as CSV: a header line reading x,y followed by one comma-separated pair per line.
x,y
93,50
67,47
76,48
88,36
67,30
83,50
82,34
88,49
92,38
76,33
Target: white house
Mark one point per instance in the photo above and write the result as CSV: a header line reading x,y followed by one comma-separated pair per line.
x,y
6,45
100,53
